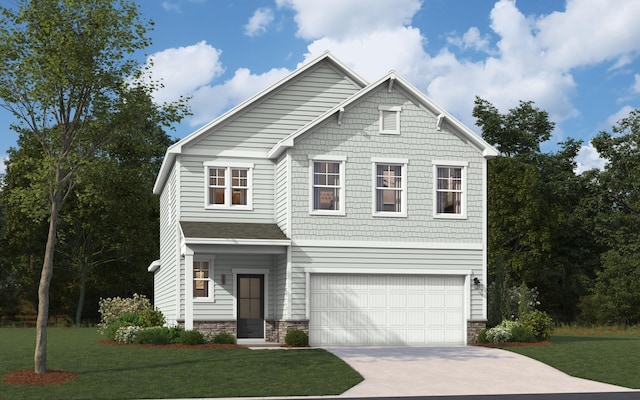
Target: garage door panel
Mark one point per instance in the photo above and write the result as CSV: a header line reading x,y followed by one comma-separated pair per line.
x,y
357,309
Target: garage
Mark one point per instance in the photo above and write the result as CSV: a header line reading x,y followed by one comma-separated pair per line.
x,y
372,309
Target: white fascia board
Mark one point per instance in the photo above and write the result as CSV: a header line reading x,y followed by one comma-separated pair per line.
x,y
288,141
165,170
246,242
388,245
387,271
487,150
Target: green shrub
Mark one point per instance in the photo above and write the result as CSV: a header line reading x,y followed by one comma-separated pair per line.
x,y
540,324
296,337
224,338
522,334
123,320
174,333
482,336
191,338
154,335
150,317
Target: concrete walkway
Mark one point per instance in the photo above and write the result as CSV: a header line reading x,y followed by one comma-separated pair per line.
x,y
464,370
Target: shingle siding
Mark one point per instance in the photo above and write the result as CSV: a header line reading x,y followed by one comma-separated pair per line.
x,y
358,139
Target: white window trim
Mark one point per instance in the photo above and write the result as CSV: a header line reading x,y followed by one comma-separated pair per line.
x,y
210,281
455,164
228,166
328,158
397,110
403,162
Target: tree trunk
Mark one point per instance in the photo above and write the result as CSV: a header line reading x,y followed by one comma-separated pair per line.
x,y
83,289
40,356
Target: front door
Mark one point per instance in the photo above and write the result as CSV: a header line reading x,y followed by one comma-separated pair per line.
x,y
250,306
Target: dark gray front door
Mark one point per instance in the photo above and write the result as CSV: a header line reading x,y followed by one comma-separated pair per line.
x,y
250,306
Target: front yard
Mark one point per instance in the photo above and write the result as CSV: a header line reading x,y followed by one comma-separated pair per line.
x,y
127,372
601,354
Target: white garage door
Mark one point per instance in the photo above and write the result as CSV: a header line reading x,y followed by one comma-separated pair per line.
x,y
355,309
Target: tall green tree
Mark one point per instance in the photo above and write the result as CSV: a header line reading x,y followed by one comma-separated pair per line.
x,y
65,66
614,211
531,200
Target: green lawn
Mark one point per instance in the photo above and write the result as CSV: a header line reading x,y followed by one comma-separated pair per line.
x,y
124,372
604,355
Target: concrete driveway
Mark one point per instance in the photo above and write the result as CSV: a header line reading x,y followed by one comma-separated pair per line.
x,y
464,370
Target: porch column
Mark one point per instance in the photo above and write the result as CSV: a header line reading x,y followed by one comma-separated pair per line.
x,y
188,288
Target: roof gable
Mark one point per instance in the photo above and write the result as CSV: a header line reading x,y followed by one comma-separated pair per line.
x,y
254,103
392,81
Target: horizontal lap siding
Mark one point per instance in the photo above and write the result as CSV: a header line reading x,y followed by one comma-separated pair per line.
x,y
358,139
273,118
165,278
379,258
222,307
193,193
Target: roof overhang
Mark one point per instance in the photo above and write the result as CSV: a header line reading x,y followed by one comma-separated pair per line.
x,y
154,266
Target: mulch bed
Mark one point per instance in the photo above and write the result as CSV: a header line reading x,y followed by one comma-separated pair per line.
x,y
30,378
513,344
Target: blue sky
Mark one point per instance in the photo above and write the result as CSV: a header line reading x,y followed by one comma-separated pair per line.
x,y
579,60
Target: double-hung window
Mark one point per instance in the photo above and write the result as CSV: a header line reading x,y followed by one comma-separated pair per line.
x,y
228,185
390,187
326,175
202,280
450,192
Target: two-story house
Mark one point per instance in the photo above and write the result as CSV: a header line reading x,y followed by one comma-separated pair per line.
x,y
355,211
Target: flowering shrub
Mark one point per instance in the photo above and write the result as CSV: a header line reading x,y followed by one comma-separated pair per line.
x,y
111,308
127,334
502,332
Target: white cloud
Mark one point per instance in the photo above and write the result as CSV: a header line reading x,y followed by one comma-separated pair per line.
x,y
636,83
614,118
259,22
375,55
588,158
589,32
471,39
171,6
343,20
183,70
3,168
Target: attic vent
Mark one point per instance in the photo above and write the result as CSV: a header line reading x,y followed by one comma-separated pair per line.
x,y
389,119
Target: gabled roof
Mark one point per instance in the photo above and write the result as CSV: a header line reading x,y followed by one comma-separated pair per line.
x,y
176,148
392,80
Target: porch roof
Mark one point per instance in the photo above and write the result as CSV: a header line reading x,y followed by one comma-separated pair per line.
x,y
231,230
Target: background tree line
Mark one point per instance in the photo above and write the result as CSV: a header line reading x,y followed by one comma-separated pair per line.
x,y
574,238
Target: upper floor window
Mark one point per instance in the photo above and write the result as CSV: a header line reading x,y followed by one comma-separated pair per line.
x,y
228,186
450,189
389,119
390,188
327,185
202,280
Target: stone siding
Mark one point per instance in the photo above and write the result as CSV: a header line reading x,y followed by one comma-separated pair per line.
x,y
473,329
